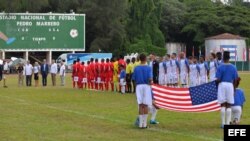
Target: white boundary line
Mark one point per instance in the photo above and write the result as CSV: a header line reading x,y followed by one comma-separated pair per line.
x,y
22,101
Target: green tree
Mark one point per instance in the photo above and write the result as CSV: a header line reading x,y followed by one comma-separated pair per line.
x,y
143,25
172,20
23,5
105,25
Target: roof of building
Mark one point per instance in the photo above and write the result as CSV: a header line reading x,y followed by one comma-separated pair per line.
x,y
225,36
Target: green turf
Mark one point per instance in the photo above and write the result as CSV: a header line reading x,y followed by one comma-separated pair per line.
x,y
66,114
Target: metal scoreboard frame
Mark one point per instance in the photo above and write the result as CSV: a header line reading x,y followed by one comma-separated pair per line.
x,y
42,32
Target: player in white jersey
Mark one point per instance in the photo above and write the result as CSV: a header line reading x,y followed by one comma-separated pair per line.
x,y
184,69
175,69
204,70
194,72
219,58
162,72
168,66
212,67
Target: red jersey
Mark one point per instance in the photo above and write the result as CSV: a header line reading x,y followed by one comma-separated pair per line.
x,y
74,70
91,70
98,69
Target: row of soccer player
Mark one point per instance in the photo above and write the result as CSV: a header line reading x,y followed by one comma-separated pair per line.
x,y
167,71
190,71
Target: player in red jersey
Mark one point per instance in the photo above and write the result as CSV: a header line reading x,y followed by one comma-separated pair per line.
x,y
92,73
109,68
74,74
80,75
84,75
102,74
78,67
88,72
97,74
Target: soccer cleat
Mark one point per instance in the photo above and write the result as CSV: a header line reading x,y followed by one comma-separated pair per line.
x,y
222,126
137,122
154,122
10,40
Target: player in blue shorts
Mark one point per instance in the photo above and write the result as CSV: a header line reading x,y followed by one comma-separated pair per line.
x,y
226,77
239,99
143,78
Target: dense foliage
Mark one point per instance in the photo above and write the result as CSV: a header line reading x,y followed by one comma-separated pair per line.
x,y
124,26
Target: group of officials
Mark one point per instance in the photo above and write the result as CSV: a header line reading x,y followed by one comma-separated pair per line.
x,y
28,72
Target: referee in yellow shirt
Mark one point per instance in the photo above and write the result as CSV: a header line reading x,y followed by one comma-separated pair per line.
x,y
129,75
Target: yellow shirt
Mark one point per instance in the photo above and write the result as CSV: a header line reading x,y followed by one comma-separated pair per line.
x,y
129,68
116,69
137,63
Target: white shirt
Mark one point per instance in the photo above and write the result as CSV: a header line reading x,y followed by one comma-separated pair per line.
x,y
36,69
53,68
212,70
28,69
174,67
62,70
6,67
183,66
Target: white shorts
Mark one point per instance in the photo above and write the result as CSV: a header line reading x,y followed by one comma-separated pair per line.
x,y
162,79
98,80
184,78
203,80
174,78
193,81
143,94
84,80
168,78
236,112
226,93
76,78
122,82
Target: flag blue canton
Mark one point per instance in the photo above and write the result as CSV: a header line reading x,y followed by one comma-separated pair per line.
x,y
203,93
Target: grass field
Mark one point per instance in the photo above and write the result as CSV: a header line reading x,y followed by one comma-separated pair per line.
x,y
66,114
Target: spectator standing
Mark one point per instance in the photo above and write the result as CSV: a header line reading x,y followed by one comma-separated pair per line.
x,y
53,71
36,73
44,71
28,73
20,73
62,73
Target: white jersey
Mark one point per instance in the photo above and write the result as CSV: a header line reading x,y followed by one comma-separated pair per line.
x,y
203,72
212,70
168,75
194,75
174,71
162,73
184,71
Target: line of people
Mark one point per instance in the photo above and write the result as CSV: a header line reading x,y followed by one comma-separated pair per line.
x,y
28,70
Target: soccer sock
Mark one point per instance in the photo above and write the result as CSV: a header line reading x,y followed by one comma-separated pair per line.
x,y
145,117
74,84
112,87
154,112
140,120
228,117
223,111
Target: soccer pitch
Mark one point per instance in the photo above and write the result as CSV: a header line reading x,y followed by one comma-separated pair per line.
x,y
67,114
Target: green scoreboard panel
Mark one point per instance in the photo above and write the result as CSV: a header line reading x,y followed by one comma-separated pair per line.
x,y
39,31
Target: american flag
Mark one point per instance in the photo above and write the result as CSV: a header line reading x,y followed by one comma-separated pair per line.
x,y
202,98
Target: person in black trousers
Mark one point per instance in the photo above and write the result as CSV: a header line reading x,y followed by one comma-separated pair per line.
x,y
155,68
44,71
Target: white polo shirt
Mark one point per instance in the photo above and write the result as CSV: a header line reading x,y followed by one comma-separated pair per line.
x,y
28,69
53,68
